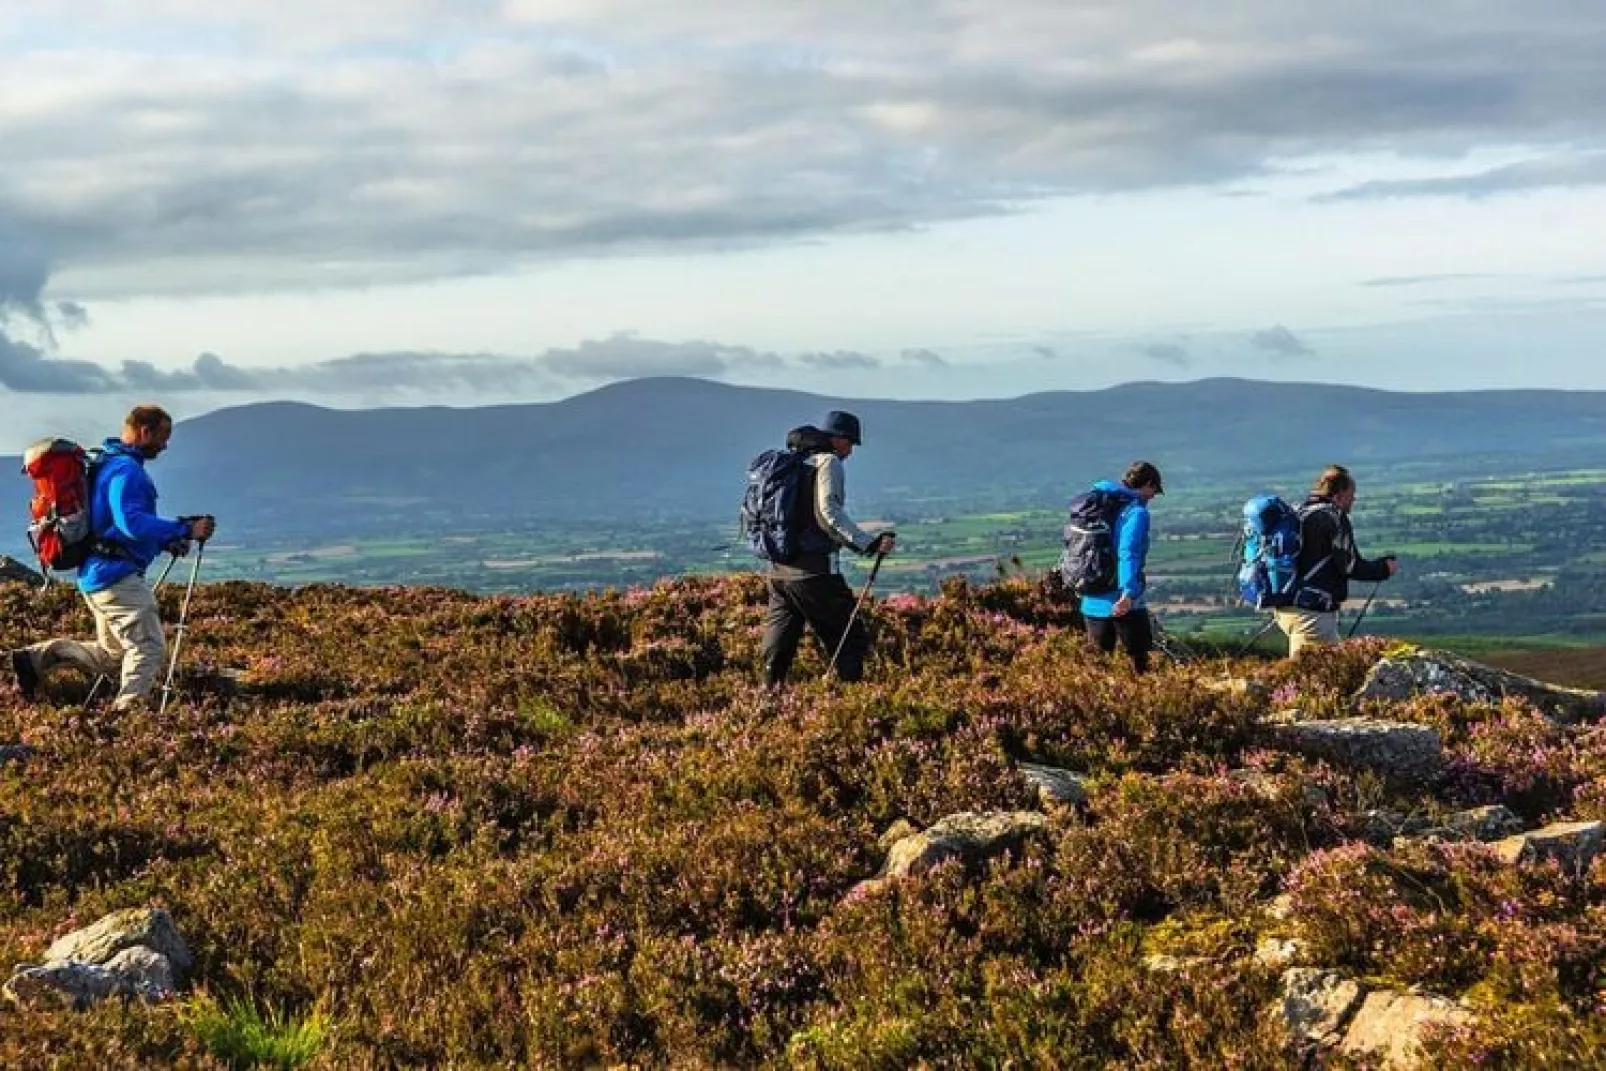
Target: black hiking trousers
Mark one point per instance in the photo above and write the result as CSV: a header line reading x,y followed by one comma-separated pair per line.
x,y
825,604
1135,631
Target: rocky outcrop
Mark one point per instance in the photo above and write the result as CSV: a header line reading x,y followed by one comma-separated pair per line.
x,y
1478,824
1389,1026
1401,752
1572,844
1419,671
1054,786
136,953
970,835
1326,1012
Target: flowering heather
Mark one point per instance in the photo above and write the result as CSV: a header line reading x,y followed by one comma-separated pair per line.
x,y
569,830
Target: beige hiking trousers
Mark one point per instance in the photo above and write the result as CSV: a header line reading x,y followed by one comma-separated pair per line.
x,y
1308,628
128,645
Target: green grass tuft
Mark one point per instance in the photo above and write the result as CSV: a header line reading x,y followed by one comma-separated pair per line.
x,y
242,1035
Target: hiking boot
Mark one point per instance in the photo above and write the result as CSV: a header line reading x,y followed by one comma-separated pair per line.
x,y
27,675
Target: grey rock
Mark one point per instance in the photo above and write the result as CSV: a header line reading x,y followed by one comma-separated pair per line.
x,y
1317,1004
1162,963
1478,824
1572,844
895,832
1423,671
1278,952
133,973
144,927
1383,828
1389,1026
1054,785
1239,686
969,835
1485,823
1401,752
14,753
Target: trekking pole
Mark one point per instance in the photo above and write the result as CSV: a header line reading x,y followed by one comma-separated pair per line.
x,y
1271,623
1364,607
172,558
178,631
868,584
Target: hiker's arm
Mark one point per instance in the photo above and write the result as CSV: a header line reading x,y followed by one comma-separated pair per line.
x,y
132,515
830,509
1369,570
1132,552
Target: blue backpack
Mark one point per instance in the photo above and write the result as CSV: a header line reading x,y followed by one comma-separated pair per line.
x,y
776,509
1268,576
1087,564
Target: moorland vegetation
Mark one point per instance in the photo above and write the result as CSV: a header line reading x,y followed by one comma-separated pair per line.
x,y
436,828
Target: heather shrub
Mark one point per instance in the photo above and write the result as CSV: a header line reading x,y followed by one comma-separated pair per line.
x,y
436,829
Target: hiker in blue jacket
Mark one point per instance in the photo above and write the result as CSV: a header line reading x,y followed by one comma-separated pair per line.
x,y
1123,613
129,535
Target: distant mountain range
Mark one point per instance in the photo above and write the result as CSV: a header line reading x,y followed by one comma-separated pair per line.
x,y
649,450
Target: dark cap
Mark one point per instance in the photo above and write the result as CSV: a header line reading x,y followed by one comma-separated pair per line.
x,y
1143,474
841,425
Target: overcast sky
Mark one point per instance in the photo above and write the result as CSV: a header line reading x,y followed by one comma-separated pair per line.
x,y
384,202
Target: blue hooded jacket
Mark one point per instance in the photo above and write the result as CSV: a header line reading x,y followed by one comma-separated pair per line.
x,y
1131,538
122,511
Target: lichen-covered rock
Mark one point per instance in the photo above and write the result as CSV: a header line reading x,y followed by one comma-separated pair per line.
x,y
1164,963
1572,844
1278,952
1417,671
969,835
1485,823
1384,827
1402,752
141,927
1240,686
1317,1004
895,832
1389,1025
1055,786
1275,787
136,973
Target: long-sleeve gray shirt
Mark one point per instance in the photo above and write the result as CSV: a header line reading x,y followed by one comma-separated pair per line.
x,y
830,512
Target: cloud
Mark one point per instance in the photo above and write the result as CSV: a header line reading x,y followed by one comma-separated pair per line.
x,y
1280,342
1422,280
1580,169
1047,353
925,358
1171,353
625,356
839,361
360,142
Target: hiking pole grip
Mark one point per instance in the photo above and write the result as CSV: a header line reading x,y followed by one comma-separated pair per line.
x,y
847,629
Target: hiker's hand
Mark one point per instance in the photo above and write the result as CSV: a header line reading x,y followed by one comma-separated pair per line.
x,y
883,543
201,528
178,548
1123,605
1393,563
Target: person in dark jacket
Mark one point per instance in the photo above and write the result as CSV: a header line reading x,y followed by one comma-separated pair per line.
x,y
809,590
1123,614
129,535
1328,561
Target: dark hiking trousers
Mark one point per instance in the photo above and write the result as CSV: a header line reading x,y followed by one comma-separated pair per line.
x,y
1135,631
824,603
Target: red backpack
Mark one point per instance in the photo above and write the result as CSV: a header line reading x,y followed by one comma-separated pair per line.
x,y
63,473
